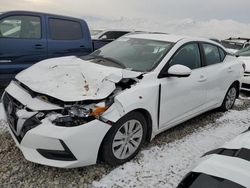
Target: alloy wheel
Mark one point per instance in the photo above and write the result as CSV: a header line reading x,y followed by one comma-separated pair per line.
x,y
231,96
127,139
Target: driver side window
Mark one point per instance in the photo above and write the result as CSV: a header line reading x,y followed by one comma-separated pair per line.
x,y
188,55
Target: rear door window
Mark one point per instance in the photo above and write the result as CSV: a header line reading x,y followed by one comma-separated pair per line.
x,y
212,54
222,54
20,27
64,29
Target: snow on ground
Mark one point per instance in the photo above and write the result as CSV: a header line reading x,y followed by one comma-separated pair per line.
x,y
212,28
164,166
3,126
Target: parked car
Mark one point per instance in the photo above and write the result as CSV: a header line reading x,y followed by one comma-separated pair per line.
x,y
216,40
29,37
244,56
225,167
235,44
70,111
95,33
107,36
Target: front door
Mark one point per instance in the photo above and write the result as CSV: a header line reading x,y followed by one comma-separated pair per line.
x,y
183,96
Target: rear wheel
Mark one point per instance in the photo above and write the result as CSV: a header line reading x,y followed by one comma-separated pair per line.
x,y
124,139
230,98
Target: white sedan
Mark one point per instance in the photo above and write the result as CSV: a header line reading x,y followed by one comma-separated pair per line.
x,y
244,56
71,111
225,167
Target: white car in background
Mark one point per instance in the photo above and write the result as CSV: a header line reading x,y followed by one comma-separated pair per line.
x,y
108,34
225,167
71,111
233,44
244,56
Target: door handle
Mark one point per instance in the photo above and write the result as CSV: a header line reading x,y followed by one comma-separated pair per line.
x,y
202,78
39,46
230,69
82,46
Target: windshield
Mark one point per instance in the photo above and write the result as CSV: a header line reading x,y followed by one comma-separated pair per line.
x,y
134,54
244,52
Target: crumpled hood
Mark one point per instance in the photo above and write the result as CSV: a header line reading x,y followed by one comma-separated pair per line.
x,y
73,79
246,61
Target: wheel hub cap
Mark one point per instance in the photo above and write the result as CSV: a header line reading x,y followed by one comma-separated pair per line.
x,y
127,139
231,96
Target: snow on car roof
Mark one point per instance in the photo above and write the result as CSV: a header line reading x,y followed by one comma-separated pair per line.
x,y
230,168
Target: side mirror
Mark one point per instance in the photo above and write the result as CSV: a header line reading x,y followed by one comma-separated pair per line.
x,y
179,71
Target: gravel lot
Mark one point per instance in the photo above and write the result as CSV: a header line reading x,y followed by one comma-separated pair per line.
x,y
15,171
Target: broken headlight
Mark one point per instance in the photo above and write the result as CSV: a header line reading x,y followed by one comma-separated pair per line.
x,y
79,114
79,111
88,111
68,121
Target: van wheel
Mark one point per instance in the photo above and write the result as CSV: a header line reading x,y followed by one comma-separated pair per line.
x,y
230,98
124,139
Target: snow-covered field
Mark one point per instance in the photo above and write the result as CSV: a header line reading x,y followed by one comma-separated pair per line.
x,y
213,28
164,166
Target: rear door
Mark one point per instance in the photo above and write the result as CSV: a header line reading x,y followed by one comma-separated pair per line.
x,y
22,42
66,37
219,73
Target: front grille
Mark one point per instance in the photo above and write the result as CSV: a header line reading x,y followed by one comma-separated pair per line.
x,y
11,106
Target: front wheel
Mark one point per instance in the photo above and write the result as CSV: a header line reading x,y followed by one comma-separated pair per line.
x,y
124,139
230,98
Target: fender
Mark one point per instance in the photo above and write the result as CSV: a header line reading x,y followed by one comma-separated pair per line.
x,y
144,96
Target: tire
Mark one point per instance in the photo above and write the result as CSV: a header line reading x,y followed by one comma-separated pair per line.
x,y
230,98
124,139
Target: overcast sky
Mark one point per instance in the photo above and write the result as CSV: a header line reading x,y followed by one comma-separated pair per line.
x,y
238,10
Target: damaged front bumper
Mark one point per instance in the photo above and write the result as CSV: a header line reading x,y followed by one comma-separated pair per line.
x,y
43,142
63,147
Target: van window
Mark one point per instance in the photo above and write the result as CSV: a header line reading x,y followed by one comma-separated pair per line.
x,y
64,29
21,27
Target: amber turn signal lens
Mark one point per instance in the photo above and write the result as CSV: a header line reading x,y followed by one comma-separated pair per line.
x,y
98,110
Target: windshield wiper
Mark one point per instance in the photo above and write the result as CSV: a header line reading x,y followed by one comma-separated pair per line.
x,y
109,59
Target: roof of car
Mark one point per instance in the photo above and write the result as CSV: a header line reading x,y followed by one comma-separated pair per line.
x,y
44,13
230,168
241,141
164,37
156,36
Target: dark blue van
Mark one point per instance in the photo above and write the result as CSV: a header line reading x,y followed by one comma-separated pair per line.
x,y
29,37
